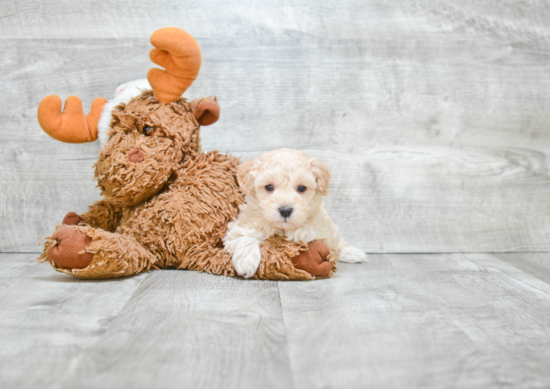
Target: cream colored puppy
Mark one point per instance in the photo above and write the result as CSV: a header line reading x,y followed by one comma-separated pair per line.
x,y
284,192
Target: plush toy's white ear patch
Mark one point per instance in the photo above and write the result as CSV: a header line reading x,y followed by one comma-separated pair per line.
x,y
123,94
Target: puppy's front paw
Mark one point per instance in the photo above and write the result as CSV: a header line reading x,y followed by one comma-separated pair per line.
x,y
352,255
246,256
305,233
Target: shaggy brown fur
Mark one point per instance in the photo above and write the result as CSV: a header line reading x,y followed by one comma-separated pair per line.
x,y
169,209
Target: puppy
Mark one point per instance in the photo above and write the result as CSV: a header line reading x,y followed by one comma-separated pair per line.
x,y
284,192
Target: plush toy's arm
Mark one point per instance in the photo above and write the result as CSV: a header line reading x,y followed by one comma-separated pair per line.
x,y
101,214
104,215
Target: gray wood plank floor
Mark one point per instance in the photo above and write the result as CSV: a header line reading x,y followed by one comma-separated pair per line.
x,y
415,321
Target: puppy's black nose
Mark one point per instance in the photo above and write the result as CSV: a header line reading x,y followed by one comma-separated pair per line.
x,y
285,211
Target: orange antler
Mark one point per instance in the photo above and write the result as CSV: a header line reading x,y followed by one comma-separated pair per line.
x,y
72,125
178,53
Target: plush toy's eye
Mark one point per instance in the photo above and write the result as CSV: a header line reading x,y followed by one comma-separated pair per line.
x,y
269,188
148,130
301,189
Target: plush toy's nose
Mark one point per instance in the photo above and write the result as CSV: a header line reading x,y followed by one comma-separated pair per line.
x,y
135,155
285,211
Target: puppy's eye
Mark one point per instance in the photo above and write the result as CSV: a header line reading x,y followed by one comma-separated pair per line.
x,y
148,130
269,188
302,189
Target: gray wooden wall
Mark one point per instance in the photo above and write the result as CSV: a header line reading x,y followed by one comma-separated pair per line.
x,y
433,115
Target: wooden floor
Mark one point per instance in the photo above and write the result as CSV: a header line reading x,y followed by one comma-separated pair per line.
x,y
414,321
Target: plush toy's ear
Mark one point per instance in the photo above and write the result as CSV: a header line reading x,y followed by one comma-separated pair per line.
x,y
245,177
322,176
207,112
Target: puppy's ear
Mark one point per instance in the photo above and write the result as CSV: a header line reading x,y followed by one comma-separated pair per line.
x,y
245,177
322,176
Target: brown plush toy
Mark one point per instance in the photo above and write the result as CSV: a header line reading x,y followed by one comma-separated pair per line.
x,y
165,202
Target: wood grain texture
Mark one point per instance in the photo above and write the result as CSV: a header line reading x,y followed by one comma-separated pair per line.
x,y
420,321
414,321
48,320
191,330
502,309
371,327
536,264
433,115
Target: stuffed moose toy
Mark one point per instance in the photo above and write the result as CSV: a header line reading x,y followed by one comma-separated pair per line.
x,y
166,204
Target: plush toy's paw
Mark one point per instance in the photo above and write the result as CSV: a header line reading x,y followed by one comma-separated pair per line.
x,y
352,255
70,250
72,219
314,259
246,255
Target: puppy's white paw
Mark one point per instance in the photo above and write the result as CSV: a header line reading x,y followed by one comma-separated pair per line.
x,y
246,255
352,255
305,233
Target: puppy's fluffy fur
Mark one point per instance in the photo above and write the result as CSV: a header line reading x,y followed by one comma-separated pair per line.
x,y
273,184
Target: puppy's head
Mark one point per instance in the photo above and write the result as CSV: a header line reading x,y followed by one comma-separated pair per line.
x,y
286,186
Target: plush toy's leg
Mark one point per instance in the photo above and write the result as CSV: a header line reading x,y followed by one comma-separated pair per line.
x,y
286,260
85,252
276,264
317,260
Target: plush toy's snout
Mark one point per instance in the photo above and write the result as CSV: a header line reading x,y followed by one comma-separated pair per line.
x,y
135,156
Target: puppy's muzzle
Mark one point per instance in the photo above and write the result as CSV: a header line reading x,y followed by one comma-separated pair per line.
x,y
286,211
